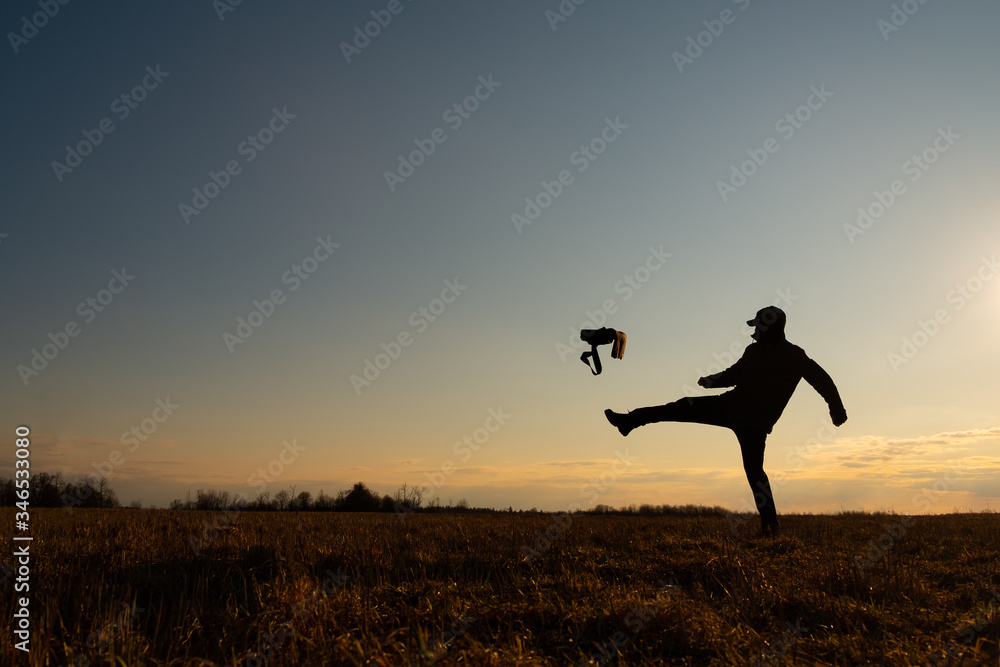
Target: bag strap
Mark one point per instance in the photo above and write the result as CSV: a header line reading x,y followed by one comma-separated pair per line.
x,y
597,360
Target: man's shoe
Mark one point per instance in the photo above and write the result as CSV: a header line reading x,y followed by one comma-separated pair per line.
x,y
620,421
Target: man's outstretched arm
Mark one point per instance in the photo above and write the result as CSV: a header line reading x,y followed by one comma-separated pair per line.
x,y
726,378
821,381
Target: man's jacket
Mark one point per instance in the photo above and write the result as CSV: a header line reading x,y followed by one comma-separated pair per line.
x,y
764,379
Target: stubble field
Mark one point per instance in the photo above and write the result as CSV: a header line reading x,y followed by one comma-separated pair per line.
x,y
156,587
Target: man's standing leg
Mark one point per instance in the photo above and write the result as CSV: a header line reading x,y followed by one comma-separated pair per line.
x,y
752,446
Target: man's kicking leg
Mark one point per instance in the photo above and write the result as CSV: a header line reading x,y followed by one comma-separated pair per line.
x,y
709,410
752,446
712,410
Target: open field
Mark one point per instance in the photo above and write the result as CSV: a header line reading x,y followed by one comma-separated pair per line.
x,y
152,587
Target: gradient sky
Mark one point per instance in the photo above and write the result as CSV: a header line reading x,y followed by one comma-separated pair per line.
x,y
923,429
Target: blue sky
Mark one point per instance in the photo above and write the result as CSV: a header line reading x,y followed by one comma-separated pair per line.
x,y
868,99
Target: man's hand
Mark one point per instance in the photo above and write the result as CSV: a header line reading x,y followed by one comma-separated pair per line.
x,y
839,416
705,382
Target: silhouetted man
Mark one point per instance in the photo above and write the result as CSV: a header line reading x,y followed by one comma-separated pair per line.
x,y
763,381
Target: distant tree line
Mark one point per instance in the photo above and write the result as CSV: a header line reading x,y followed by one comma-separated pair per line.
x,y
51,490
359,498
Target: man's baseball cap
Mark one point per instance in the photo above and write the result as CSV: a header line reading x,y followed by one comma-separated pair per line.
x,y
771,316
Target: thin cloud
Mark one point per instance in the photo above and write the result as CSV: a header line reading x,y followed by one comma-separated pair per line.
x,y
579,463
874,448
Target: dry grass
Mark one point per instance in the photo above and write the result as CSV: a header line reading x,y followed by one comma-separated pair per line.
x,y
315,589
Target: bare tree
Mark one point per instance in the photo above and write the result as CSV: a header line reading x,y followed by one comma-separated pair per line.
x,y
106,495
411,497
323,502
45,489
263,501
282,498
6,492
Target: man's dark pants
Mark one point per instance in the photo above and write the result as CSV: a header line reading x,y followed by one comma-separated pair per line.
x,y
717,411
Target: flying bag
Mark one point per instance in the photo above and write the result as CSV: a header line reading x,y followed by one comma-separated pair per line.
x,y
602,336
